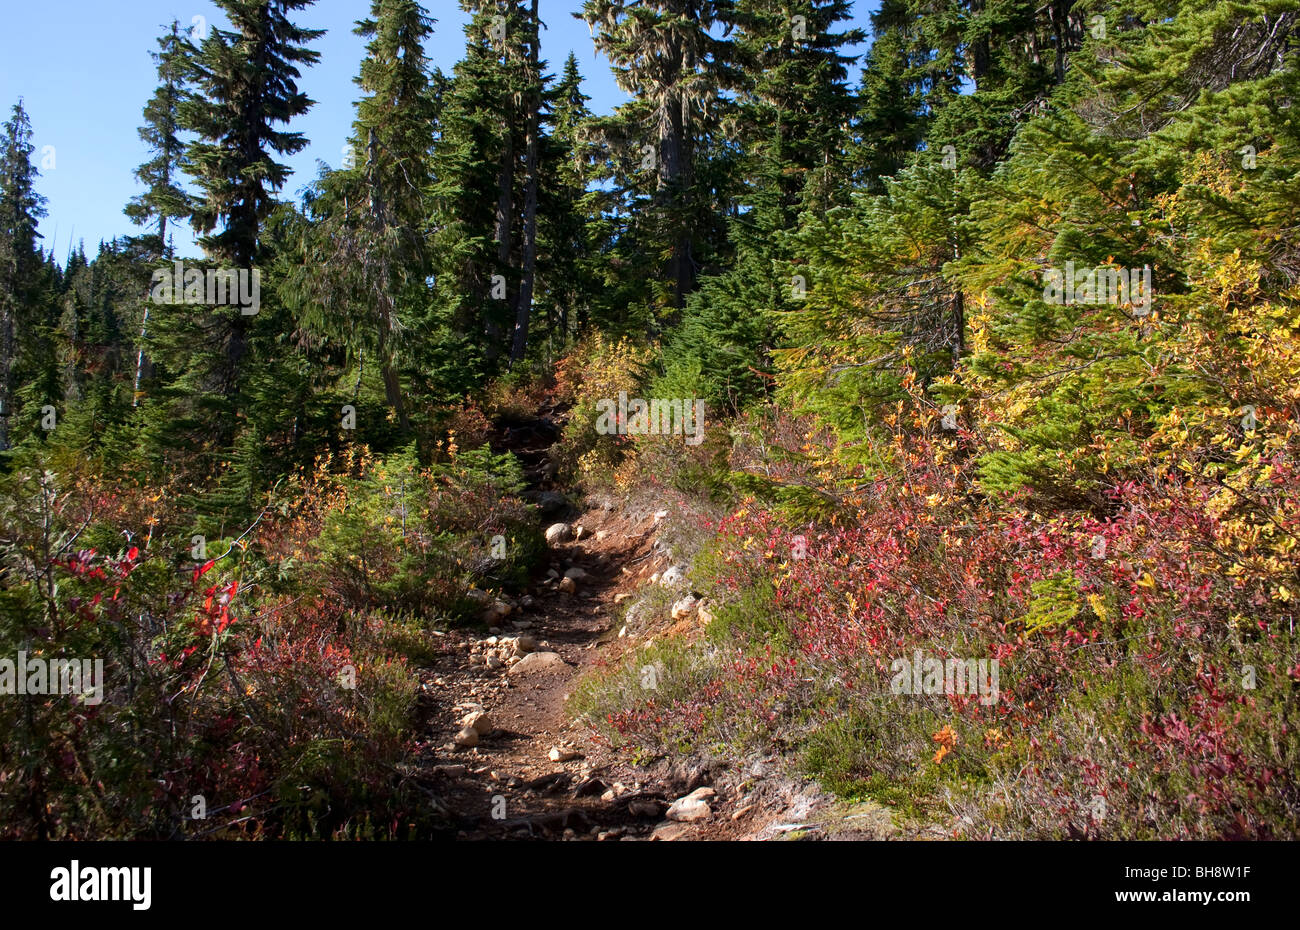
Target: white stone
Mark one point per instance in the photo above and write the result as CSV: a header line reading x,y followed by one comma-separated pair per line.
x,y
693,807
524,643
538,662
685,607
673,577
557,533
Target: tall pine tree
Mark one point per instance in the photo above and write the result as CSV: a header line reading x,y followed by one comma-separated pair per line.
x,y
665,53
365,256
163,198
21,262
246,86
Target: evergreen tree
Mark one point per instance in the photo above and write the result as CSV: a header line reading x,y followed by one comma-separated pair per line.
x,y
889,125
245,80
791,125
364,255
481,171
163,199
21,263
569,239
984,66
795,100
665,54
532,170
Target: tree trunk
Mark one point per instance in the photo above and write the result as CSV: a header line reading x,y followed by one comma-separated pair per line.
x,y
505,219
6,367
144,323
393,391
979,50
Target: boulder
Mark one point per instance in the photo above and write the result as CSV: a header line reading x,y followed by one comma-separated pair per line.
x,y
693,807
551,502
525,642
538,662
557,533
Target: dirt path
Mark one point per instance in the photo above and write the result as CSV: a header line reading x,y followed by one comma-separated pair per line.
x,y
508,784
512,783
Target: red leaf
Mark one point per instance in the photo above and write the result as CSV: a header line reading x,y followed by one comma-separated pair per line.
x,y
200,572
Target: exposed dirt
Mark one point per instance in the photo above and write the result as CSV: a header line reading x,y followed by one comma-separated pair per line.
x,y
508,785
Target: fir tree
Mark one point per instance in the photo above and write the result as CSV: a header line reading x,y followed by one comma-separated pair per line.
x,y
245,84
364,255
791,125
21,262
163,199
665,54
568,236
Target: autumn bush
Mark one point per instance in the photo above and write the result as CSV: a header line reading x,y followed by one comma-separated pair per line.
x,y
265,688
596,369
1148,685
406,538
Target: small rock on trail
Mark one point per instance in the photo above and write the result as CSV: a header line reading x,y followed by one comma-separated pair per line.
x,y
538,662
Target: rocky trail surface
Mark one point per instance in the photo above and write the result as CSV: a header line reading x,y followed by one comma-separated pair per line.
x,y
501,758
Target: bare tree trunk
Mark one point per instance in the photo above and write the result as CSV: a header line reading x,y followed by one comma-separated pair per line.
x,y
144,323
6,367
505,218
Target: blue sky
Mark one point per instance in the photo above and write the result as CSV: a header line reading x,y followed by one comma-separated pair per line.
x,y
83,70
